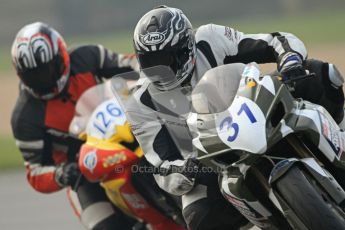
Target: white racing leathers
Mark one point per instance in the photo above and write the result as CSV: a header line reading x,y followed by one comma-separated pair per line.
x,y
216,45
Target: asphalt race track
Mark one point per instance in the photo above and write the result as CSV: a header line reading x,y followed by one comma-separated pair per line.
x,y
23,208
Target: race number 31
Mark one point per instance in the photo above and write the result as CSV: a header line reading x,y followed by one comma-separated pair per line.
x,y
233,128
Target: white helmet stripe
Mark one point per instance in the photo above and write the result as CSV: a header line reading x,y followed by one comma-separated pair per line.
x,y
178,28
41,46
171,34
26,55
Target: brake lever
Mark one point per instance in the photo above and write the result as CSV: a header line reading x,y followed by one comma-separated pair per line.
x,y
291,83
299,78
78,182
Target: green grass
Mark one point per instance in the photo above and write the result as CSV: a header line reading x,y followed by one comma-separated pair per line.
x,y
9,155
5,59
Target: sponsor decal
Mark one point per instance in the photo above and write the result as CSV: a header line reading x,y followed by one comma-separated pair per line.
x,y
115,159
253,216
250,83
251,72
332,135
90,160
153,38
230,34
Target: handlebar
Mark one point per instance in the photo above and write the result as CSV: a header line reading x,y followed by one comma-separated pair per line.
x,y
78,183
299,78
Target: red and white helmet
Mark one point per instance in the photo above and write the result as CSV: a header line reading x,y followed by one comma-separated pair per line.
x,y
40,57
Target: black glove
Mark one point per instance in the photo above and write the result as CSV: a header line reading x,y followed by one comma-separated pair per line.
x,y
191,168
195,171
290,66
67,174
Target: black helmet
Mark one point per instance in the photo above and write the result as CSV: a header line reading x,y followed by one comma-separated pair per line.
x,y
40,57
164,36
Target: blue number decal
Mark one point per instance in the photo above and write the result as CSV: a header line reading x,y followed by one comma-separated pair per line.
x,y
235,126
230,124
246,109
105,123
99,128
113,110
102,117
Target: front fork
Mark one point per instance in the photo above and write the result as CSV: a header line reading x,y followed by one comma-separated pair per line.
x,y
259,211
267,211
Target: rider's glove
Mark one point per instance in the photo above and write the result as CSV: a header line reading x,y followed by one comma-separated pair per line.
x,y
290,66
198,173
67,174
191,168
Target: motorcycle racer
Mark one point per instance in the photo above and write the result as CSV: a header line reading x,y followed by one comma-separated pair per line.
x,y
52,79
164,36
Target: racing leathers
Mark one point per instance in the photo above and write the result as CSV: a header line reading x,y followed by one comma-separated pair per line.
x,y
40,128
169,152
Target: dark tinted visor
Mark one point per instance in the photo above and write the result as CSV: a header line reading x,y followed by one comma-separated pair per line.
x,y
151,59
160,75
42,79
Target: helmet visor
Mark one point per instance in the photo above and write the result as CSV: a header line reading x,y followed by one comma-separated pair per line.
x,y
163,58
42,79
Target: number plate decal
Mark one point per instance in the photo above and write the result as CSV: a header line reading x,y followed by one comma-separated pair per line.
x,y
103,120
243,126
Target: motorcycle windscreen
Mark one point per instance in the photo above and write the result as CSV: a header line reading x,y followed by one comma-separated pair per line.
x,y
216,90
92,99
149,108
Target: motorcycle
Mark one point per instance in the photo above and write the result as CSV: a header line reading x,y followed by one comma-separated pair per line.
x,y
279,158
112,157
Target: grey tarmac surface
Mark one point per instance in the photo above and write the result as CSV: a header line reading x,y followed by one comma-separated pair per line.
x,y
23,208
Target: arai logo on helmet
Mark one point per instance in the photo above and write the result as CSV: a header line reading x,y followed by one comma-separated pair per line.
x,y
153,38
